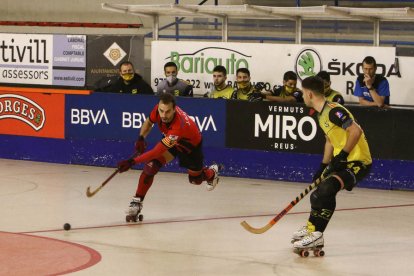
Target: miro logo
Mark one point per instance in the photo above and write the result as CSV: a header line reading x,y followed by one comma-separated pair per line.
x,y
204,60
308,63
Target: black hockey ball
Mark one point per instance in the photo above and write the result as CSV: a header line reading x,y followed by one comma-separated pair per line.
x,y
66,226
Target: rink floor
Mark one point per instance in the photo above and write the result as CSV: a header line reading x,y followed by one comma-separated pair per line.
x,y
186,229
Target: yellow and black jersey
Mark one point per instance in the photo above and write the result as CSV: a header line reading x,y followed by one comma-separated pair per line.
x,y
243,94
334,119
334,96
225,93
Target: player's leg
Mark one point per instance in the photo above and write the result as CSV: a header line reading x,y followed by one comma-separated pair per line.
x,y
197,173
145,181
323,202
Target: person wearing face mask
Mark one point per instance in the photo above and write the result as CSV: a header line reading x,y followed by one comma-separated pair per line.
x,y
173,85
128,82
330,94
288,92
370,88
244,90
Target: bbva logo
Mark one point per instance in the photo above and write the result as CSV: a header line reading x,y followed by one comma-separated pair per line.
x,y
23,109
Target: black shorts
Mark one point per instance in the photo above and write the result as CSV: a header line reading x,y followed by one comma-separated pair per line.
x,y
193,161
354,173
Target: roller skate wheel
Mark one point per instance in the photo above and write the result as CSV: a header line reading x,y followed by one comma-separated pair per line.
x,y
304,253
141,217
319,253
128,218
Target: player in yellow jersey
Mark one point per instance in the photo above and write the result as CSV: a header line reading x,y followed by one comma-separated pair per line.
x,y
346,160
245,89
221,89
330,94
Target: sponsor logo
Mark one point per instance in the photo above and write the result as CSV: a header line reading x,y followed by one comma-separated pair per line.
x,y
114,54
308,63
204,60
339,114
88,116
205,123
22,109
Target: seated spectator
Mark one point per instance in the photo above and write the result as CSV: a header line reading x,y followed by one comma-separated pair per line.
x,y
330,94
128,82
245,90
221,89
173,85
288,92
372,89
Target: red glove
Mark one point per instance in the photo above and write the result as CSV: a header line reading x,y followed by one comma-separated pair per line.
x,y
125,165
140,145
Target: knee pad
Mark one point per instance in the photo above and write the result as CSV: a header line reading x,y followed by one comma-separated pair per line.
x,y
324,195
196,179
329,187
151,168
349,179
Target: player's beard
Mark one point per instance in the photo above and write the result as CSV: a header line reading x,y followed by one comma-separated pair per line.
x,y
220,86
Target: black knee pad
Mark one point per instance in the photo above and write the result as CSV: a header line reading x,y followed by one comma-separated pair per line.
x,y
324,195
151,168
349,179
197,180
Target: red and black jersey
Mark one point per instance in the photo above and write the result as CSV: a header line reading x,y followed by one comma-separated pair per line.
x,y
181,132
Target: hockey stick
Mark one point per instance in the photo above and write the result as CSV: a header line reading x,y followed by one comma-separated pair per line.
x,y
281,214
91,194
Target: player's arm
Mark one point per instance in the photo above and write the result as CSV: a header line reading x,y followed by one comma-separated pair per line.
x,y
364,102
327,152
354,133
146,128
378,100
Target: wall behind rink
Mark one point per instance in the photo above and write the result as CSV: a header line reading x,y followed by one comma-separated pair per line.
x,y
253,140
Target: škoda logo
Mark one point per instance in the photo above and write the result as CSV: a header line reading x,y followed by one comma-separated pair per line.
x,y
23,109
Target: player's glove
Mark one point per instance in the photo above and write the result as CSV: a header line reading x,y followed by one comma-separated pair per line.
x,y
259,86
256,96
319,172
338,163
140,145
125,165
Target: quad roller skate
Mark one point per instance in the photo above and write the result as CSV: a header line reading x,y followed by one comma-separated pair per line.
x,y
213,183
134,210
312,242
302,232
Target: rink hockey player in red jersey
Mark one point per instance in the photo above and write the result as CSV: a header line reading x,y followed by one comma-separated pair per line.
x,y
182,139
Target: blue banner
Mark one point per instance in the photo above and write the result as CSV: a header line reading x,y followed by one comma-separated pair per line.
x,y
108,116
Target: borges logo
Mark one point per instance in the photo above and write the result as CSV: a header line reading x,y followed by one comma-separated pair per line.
x,y
23,109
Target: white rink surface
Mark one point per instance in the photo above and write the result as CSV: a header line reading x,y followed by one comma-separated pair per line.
x,y
189,231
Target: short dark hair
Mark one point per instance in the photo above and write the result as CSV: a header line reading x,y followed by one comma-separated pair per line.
x,y
324,75
167,98
290,75
315,84
127,62
170,64
220,69
370,60
243,70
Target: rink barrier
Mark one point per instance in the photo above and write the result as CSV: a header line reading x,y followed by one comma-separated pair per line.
x,y
100,130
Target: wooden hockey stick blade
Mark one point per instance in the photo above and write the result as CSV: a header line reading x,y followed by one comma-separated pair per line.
x,y
91,194
256,230
282,213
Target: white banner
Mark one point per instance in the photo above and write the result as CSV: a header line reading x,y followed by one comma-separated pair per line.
x,y
43,59
268,62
